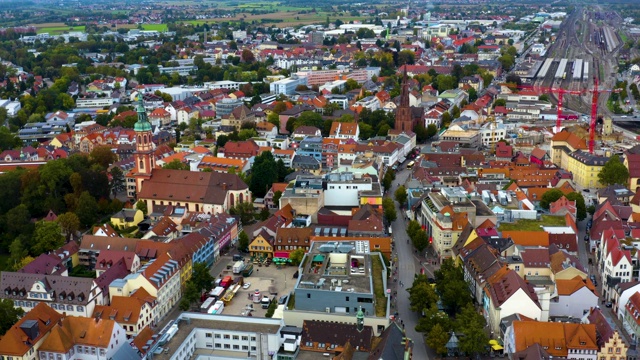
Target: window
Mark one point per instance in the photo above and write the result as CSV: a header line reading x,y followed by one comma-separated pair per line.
x,y
245,338
227,346
227,336
218,346
236,347
236,337
208,335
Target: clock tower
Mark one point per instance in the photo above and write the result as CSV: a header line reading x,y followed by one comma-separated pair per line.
x,y
144,146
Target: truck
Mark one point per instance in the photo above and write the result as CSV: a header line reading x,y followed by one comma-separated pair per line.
x,y
217,308
217,292
265,302
207,304
238,267
248,270
226,282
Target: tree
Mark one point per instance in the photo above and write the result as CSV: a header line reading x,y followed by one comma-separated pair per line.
x,y
473,94
244,211
421,133
47,237
406,57
446,119
273,305
432,130
189,296
401,195
247,56
471,325
296,256
8,140
87,209
421,295
549,197
451,286
389,210
276,197
17,252
544,97
437,339
613,172
103,156
23,262
117,180
69,224
581,207
309,118
9,315
264,214
202,277
142,206
243,241
413,228
176,164
499,102
387,180
420,240
264,173
445,82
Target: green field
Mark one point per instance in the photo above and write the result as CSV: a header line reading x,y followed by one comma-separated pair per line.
x,y
156,27
57,30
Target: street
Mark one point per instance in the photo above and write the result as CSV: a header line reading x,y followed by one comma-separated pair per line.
x,y
407,264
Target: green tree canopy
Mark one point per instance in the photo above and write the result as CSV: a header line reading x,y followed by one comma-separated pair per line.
x,y
9,315
264,173
549,197
401,195
243,241
176,164
389,210
421,294
296,256
47,237
613,172
581,208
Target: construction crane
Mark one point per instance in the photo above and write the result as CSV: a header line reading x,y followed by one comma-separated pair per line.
x,y
595,92
560,92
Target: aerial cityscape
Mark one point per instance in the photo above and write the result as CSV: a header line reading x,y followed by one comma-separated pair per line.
x,y
382,180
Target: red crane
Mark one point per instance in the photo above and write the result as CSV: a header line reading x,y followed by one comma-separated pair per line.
x,y
595,92
560,92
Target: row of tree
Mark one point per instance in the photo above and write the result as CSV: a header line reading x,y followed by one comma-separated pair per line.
x,y
458,315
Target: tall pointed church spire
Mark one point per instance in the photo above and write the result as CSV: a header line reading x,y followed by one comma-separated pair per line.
x,y
143,123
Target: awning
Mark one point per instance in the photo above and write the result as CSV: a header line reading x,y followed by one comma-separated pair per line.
x,y
495,345
281,254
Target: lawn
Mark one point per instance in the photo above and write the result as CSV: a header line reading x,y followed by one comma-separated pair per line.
x,y
378,286
288,18
533,225
59,29
156,27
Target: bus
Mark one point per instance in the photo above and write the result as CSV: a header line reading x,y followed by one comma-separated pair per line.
x,y
410,164
248,270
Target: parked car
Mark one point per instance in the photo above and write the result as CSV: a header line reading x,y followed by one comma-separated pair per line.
x,y
608,304
246,285
283,299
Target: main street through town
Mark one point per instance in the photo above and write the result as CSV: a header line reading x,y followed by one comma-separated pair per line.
x,y
408,264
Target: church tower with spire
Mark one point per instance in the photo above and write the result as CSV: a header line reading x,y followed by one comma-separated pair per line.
x,y
403,111
144,146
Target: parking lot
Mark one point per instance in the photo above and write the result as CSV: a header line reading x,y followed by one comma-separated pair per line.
x,y
266,279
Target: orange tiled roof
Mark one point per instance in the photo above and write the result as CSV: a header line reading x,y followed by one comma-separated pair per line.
x,y
78,331
528,238
14,341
